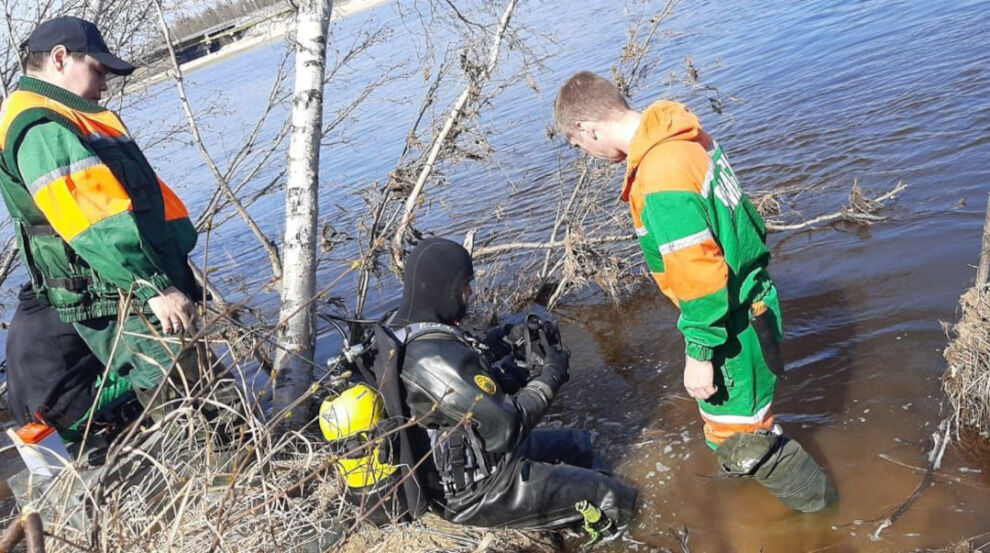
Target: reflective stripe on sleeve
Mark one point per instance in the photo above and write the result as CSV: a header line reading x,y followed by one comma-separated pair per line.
x,y
755,418
51,176
686,242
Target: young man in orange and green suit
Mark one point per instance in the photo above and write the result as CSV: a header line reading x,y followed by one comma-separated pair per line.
x,y
705,245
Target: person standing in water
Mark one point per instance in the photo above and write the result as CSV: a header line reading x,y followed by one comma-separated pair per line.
x,y
705,245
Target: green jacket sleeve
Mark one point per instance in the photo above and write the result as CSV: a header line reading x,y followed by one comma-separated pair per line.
x,y
695,270
88,207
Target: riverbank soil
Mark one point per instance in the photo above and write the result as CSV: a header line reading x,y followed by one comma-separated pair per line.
x,y
967,378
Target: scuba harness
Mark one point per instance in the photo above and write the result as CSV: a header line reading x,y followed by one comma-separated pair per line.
x,y
379,454
362,431
363,420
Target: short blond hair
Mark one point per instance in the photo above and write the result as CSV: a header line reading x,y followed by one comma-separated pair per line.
x,y
586,97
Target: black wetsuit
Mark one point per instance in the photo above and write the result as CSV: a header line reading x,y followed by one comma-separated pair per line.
x,y
493,468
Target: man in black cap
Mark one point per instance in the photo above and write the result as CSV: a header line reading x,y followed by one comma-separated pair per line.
x,y
104,240
490,467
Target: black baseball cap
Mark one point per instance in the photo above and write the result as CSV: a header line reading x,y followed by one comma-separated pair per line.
x,y
77,35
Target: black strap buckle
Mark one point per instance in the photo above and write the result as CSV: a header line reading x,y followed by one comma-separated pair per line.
x,y
72,284
454,476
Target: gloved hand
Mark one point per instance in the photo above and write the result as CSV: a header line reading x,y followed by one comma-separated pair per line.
x,y
531,340
556,367
495,336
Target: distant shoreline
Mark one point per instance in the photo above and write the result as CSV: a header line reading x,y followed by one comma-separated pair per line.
x,y
262,34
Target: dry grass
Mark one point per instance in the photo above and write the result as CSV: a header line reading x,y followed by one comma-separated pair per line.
x,y
207,473
967,377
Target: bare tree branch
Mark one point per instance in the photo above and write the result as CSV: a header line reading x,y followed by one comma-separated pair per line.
x,y
470,90
849,213
276,263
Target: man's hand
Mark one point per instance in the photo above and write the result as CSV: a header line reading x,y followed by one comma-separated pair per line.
x,y
174,310
699,378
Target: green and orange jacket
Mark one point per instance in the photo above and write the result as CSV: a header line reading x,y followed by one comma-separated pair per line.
x,y
92,218
703,240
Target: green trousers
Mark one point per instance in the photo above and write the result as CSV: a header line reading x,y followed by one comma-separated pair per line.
x,y
745,381
114,387
133,351
130,349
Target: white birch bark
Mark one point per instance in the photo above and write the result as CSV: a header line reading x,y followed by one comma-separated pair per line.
x,y
92,11
293,359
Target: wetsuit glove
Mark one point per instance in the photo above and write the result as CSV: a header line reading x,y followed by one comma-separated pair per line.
x,y
533,399
556,368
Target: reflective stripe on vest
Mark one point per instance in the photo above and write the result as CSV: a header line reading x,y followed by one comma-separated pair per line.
x,y
102,125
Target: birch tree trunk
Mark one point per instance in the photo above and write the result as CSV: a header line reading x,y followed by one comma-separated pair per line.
x,y
92,11
293,360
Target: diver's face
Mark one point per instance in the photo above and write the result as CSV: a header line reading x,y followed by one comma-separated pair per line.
x,y
466,294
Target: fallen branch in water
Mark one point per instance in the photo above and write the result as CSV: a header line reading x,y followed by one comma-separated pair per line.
x,y
955,479
682,536
860,210
471,90
516,246
941,439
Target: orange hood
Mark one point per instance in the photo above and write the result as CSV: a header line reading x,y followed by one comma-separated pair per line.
x,y
663,121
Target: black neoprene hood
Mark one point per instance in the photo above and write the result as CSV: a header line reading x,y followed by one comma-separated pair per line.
x,y
436,273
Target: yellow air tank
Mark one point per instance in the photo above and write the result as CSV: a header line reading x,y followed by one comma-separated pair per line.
x,y
348,422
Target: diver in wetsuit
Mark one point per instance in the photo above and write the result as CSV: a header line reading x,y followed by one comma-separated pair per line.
x,y
491,467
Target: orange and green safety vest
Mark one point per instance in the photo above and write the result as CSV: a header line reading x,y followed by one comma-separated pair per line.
x,y
703,240
92,218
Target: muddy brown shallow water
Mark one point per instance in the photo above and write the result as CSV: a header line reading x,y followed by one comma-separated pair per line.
x,y
861,392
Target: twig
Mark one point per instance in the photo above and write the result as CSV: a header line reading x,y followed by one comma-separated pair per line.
x,y
934,462
842,214
515,246
9,258
956,479
683,537
484,543
269,246
563,217
378,230
470,89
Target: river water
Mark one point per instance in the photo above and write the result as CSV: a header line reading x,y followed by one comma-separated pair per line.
x,y
818,94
